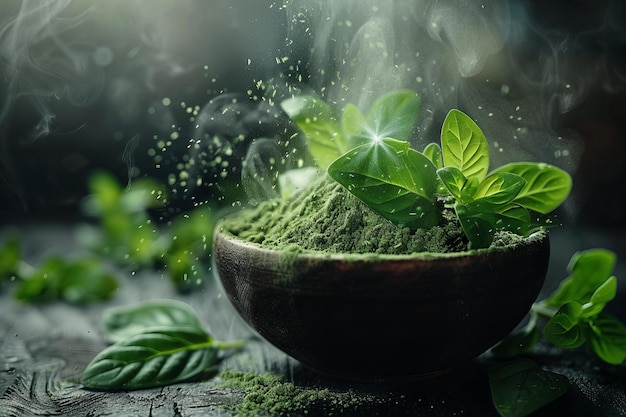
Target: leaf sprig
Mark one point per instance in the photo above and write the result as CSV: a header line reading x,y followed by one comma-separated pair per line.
x,y
371,157
573,317
77,281
574,314
156,343
128,235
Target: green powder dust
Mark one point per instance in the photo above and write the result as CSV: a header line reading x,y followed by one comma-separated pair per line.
x,y
325,217
270,394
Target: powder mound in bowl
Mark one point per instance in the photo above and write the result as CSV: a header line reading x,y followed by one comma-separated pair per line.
x,y
325,217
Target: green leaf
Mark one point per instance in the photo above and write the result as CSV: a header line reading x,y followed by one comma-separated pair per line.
x,y
120,323
564,329
588,270
432,151
464,146
607,338
480,220
322,130
157,357
499,188
397,182
394,115
546,186
193,232
521,387
354,126
457,184
601,296
77,282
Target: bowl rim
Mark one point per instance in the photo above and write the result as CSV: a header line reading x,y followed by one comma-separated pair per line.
x,y
535,237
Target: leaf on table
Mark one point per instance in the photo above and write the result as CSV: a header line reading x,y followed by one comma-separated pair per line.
x,y
78,282
521,387
123,322
154,358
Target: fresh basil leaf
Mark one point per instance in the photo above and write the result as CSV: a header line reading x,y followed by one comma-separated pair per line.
x,y
193,230
157,357
499,188
588,270
397,182
564,329
480,220
322,130
476,226
602,295
607,338
394,115
517,343
521,387
85,281
457,184
354,126
546,186
77,282
432,151
464,146
120,323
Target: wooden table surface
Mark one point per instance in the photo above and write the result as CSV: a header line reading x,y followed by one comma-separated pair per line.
x,y
44,348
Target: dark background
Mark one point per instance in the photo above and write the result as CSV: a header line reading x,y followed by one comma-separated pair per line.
x,y
45,175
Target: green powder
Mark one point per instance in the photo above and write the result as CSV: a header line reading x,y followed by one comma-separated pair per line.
x,y
270,394
325,217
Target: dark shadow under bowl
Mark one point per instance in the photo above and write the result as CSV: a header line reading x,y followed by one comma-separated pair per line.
x,y
382,318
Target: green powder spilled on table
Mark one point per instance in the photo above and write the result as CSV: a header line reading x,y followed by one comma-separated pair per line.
x,y
270,394
325,217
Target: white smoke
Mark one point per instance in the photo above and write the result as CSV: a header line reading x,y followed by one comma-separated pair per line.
x,y
452,52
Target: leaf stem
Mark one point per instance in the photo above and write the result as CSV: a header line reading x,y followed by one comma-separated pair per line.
x,y
544,310
231,344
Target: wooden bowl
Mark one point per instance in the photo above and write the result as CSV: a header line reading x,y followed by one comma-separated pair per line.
x,y
379,318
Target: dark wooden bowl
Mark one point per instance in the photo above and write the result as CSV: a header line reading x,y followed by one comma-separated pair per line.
x,y
382,318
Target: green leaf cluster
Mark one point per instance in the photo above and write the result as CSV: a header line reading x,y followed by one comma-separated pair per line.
x,y
371,156
574,314
329,137
156,343
128,235
78,281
